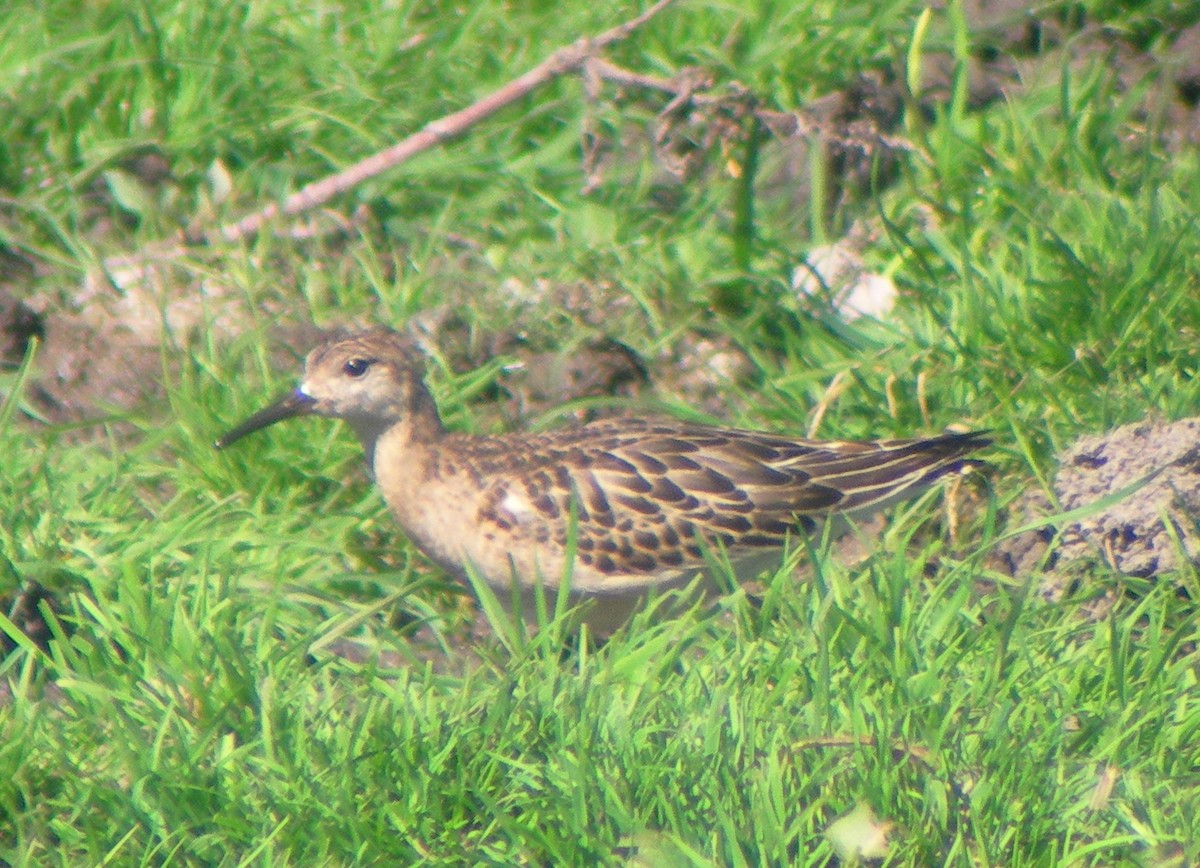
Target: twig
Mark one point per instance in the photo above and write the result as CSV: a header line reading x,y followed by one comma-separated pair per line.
x,y
435,133
617,75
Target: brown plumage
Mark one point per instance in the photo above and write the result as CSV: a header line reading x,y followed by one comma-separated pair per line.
x,y
643,503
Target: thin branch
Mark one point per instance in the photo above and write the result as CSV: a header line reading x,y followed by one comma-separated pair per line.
x,y
435,133
618,75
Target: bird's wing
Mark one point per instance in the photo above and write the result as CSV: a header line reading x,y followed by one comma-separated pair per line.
x,y
651,496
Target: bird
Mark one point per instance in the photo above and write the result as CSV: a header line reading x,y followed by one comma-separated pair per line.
x,y
613,510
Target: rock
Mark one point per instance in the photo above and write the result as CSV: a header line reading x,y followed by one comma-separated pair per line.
x,y
1141,534
836,275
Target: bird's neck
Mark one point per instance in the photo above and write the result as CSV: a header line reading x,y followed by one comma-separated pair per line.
x,y
419,424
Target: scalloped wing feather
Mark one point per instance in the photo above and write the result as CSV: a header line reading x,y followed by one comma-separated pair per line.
x,y
651,497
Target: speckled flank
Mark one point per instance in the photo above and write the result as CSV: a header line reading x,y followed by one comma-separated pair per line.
x,y
643,504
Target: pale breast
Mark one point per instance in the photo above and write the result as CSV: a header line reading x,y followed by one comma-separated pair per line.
x,y
458,518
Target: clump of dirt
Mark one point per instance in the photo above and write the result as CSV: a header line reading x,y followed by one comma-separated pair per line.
x,y
599,368
1145,534
19,325
708,372
24,609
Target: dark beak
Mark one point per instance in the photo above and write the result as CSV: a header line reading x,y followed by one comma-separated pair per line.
x,y
294,403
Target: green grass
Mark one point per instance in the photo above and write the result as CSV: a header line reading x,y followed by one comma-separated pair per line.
x,y
196,705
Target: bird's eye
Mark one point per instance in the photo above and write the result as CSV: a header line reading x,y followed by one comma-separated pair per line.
x,y
356,367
